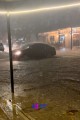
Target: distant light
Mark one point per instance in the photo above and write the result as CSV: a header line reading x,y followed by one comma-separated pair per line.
x,y
66,35
18,53
6,49
41,9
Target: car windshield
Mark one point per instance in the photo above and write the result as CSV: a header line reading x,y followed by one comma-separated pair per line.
x,y
40,60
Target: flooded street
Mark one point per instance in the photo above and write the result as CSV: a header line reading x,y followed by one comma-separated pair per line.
x,y
39,60
53,81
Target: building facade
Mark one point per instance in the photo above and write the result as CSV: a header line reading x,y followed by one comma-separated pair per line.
x,y
62,38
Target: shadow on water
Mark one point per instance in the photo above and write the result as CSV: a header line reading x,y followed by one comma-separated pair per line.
x,y
36,59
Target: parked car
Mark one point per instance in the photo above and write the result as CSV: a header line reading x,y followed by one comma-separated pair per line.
x,y
35,51
1,47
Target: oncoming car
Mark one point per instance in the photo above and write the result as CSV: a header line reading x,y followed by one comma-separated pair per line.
x,y
35,51
1,47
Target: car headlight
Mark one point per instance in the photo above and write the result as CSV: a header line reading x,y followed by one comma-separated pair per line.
x,y
17,53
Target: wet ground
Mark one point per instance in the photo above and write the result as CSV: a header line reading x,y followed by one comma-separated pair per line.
x,y
53,81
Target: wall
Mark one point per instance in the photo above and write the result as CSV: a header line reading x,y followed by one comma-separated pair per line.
x,y
53,37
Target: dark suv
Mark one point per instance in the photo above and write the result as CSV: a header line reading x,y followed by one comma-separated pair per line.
x,y
1,47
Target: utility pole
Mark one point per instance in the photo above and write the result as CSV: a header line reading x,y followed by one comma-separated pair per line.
x,y
10,52
71,38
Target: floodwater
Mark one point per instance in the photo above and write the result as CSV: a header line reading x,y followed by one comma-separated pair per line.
x,y
53,81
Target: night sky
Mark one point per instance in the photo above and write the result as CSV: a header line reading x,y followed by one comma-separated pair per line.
x,y
41,21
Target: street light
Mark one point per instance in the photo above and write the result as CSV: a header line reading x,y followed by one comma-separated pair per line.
x,y
42,9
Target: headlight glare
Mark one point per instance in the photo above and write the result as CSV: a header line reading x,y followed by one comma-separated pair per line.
x,y
17,53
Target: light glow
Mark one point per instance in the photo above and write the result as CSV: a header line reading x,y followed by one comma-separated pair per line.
x,y
3,12
46,9
41,9
18,53
6,48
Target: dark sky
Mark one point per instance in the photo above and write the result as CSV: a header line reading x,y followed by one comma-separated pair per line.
x,y
42,21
